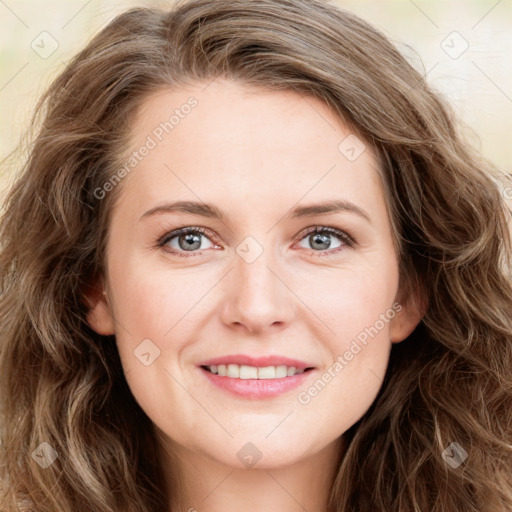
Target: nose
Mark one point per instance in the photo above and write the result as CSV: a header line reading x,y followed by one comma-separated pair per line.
x,y
256,297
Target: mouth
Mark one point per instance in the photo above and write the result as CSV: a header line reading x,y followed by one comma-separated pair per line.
x,y
256,381
247,372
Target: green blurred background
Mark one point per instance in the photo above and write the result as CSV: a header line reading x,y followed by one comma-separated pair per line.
x,y
37,39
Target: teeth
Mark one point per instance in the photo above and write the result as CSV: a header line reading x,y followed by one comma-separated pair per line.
x,y
233,371
243,371
248,372
267,372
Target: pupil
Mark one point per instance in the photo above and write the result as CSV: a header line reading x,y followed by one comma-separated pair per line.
x,y
190,240
318,238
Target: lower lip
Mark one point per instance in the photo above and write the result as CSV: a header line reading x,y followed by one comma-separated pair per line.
x,y
257,388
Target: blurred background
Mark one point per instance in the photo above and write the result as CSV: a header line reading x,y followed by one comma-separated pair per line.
x,y
463,46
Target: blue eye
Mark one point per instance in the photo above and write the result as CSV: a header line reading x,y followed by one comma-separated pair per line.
x,y
320,238
188,241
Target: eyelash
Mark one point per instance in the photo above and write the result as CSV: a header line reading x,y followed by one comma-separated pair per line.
x,y
347,240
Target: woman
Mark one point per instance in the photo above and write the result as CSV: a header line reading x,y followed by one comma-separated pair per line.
x,y
173,336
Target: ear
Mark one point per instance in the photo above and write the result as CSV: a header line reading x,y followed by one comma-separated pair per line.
x,y
99,316
409,312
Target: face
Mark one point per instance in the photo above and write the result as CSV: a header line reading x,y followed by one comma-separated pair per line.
x,y
261,279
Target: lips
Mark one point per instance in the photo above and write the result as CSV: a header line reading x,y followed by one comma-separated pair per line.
x,y
239,371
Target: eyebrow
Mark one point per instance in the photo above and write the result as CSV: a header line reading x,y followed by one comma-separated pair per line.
x,y
212,212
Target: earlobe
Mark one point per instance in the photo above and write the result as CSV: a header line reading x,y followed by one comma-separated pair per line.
x,y
99,316
403,325
407,319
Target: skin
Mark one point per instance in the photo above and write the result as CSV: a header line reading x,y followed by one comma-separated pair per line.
x,y
255,154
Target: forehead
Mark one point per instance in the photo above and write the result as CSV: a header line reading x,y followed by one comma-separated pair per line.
x,y
227,138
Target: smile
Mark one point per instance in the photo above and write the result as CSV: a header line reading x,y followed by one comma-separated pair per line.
x,y
246,372
241,380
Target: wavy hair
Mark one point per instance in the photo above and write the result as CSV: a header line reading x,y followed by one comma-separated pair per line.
x,y
449,382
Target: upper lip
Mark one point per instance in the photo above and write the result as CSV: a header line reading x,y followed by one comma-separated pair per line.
x,y
270,360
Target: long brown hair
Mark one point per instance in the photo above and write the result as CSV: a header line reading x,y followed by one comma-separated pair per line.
x,y
449,382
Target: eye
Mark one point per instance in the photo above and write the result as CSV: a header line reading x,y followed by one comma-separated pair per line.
x,y
320,239
188,241
185,240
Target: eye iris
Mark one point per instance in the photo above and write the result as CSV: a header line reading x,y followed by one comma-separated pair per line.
x,y
190,240
318,238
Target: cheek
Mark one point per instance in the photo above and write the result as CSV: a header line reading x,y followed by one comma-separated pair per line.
x,y
348,301
357,308
153,312
360,318
150,302
359,351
